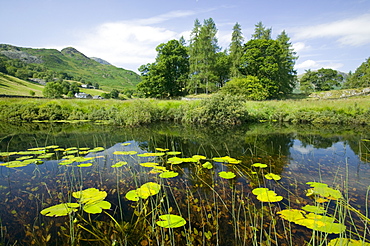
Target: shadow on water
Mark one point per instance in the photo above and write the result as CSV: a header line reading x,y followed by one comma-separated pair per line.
x,y
338,156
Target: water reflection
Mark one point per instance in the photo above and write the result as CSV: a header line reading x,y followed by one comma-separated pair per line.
x,y
301,154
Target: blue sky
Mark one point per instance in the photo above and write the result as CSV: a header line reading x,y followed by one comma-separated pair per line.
x,y
324,33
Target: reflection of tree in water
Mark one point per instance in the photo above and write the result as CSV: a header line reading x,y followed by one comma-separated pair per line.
x,y
318,141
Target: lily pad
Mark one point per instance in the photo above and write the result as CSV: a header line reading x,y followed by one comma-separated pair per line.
x,y
259,165
266,195
148,189
171,221
323,190
199,157
132,196
160,149
85,165
90,195
168,174
119,164
96,208
226,159
148,164
207,165
314,209
227,175
62,209
272,176
96,149
347,242
173,153
125,152
150,154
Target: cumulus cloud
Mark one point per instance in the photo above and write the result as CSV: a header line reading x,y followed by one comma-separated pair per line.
x,y
129,44
300,46
314,65
351,31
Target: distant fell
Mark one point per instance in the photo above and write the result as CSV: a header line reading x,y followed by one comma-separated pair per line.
x,y
74,63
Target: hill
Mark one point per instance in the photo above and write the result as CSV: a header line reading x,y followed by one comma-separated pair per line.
x,y
10,85
72,64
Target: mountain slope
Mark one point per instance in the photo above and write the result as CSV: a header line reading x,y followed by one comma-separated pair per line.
x,y
75,64
10,85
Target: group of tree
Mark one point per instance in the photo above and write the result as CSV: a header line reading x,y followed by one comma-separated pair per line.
x,y
361,77
261,68
324,79
58,89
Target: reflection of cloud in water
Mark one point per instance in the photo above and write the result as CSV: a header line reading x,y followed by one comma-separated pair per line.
x,y
297,146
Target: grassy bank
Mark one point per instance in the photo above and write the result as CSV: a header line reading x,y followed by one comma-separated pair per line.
x,y
218,109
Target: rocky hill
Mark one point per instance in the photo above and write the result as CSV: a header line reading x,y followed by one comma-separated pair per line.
x,y
69,62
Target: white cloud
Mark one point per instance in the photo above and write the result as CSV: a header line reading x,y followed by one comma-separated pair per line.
x,y
314,65
129,44
351,31
300,46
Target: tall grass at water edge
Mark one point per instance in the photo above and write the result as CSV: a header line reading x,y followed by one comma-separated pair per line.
x,y
218,109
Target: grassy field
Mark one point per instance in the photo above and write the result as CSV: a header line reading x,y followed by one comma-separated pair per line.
x,y
10,85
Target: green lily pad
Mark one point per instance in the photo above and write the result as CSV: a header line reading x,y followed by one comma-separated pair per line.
x,y
226,159
168,174
175,160
62,209
125,144
173,153
84,165
148,164
227,175
24,158
323,190
132,196
150,154
90,195
148,189
259,165
125,152
272,176
171,221
199,157
119,164
96,149
314,209
97,208
160,149
266,195
347,242
312,221
207,165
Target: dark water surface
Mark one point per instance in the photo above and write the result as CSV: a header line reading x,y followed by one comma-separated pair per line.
x,y
337,156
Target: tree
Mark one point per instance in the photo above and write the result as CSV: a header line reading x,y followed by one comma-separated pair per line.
x,y
167,76
324,79
266,60
236,50
203,56
222,68
53,90
289,57
361,77
261,32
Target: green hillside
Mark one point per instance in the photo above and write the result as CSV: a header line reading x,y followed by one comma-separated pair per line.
x,y
10,85
72,64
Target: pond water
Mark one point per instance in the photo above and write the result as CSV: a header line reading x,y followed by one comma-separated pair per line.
x,y
217,211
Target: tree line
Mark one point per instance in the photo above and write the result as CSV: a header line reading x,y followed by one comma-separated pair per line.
x,y
261,68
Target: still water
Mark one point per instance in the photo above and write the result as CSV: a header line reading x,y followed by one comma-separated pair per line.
x,y
217,211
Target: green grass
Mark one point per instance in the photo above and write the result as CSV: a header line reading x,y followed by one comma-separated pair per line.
x,y
10,85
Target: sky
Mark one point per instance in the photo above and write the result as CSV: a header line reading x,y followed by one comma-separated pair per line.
x,y
324,33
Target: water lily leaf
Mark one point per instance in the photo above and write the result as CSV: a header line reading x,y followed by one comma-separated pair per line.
x,y
125,144
5,154
314,209
82,159
24,158
96,149
90,195
150,154
292,214
12,164
148,164
272,176
160,168
173,153
266,195
226,159
132,196
323,190
96,208
45,156
39,148
168,174
119,164
175,160
207,165
160,149
227,175
199,157
259,165
171,221
347,242
84,165
125,152
62,209
148,189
